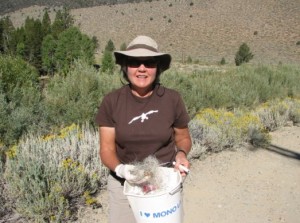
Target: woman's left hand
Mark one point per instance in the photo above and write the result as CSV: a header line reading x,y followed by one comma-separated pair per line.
x,y
182,163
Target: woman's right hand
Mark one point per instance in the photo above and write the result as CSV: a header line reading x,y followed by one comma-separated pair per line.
x,y
129,173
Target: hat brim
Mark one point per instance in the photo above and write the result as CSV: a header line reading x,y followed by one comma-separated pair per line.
x,y
163,58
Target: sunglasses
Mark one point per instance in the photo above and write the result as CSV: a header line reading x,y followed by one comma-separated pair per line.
x,y
149,63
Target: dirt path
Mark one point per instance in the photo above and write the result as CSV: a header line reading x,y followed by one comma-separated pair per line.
x,y
240,186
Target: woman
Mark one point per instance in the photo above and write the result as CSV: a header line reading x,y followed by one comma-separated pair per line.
x,y
140,119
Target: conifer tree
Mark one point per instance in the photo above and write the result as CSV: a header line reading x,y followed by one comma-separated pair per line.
x,y
1,36
107,64
46,23
243,55
63,20
48,54
33,41
110,46
107,59
17,42
6,30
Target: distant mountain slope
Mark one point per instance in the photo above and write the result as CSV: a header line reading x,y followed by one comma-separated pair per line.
x,y
204,30
13,5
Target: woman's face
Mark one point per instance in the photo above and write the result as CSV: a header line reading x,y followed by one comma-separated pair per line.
x,y
141,72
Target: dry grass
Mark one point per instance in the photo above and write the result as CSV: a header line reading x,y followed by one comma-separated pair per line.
x,y
206,31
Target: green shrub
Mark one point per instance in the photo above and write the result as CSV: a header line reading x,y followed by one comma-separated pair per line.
x,y
19,97
245,86
74,98
15,72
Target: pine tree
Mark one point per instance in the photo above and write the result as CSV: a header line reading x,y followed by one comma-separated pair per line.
x,y
63,20
46,24
107,64
17,42
110,46
1,36
33,41
243,55
48,54
6,30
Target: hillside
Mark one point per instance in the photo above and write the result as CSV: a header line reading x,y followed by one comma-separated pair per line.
x,y
205,30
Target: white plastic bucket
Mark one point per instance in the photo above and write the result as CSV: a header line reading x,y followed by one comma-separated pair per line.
x,y
163,207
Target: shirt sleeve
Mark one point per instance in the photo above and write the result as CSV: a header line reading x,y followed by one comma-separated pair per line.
x,y
104,116
182,117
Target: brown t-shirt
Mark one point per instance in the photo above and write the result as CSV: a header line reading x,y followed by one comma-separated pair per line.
x,y
144,126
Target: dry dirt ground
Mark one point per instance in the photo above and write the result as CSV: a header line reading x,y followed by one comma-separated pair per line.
x,y
249,186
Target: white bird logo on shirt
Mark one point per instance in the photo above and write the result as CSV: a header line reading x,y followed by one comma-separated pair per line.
x,y
143,116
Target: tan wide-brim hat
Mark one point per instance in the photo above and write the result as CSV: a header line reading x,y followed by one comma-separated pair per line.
x,y
143,46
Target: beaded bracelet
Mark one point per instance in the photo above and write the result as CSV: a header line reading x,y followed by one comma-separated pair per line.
x,y
181,150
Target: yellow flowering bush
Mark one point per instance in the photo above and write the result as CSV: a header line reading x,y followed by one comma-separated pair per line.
x,y
11,152
89,200
63,133
274,114
47,175
222,129
217,129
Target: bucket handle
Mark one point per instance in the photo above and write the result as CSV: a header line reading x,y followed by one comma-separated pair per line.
x,y
176,189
